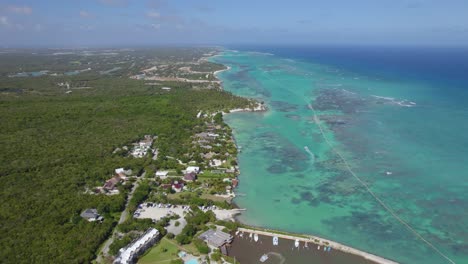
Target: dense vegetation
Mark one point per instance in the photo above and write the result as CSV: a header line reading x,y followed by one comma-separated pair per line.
x,y
55,145
196,221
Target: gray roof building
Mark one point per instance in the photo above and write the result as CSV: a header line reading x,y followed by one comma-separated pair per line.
x,y
216,238
91,215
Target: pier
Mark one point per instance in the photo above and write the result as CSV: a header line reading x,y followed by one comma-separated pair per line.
x,y
321,242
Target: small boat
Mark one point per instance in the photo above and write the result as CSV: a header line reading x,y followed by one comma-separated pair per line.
x,y
296,243
318,247
255,237
324,248
250,235
237,232
305,245
264,258
241,234
275,241
329,249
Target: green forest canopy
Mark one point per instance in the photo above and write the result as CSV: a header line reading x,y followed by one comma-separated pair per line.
x,y
55,145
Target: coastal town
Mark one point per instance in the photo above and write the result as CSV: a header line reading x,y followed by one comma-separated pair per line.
x,y
186,213
166,191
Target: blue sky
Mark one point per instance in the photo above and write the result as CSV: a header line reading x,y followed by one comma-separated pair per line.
x,y
152,22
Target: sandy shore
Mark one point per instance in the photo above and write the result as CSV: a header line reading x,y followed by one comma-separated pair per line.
x,y
216,72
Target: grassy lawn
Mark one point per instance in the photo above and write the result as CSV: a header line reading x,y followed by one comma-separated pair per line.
x,y
157,254
190,248
175,195
209,174
214,198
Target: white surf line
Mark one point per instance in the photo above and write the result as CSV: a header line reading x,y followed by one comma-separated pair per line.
x,y
385,206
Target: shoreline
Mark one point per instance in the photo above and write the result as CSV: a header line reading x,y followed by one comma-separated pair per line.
x,y
288,235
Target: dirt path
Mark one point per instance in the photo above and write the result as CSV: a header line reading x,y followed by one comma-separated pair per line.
x,y
123,217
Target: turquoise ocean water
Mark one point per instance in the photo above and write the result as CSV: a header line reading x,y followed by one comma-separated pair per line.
x,y
402,130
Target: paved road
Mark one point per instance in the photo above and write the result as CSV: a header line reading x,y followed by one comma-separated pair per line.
x,y
123,217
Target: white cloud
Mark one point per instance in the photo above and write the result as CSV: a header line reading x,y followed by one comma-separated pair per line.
x,y
155,26
23,10
4,21
153,14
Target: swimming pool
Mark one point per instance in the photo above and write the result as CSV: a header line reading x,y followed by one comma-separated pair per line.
x,y
192,261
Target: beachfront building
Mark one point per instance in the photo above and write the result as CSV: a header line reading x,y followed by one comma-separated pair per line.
x,y
216,238
91,215
130,253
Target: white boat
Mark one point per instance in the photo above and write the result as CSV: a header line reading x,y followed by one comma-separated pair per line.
x,y
237,232
264,258
250,235
256,237
318,247
241,234
305,245
296,243
275,241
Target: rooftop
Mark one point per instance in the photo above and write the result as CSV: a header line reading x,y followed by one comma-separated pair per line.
x,y
216,238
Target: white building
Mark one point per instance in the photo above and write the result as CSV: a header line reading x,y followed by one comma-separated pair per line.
x,y
192,169
130,253
162,173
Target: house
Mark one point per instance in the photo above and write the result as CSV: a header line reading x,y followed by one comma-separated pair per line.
x,y
162,173
91,215
213,135
191,176
208,155
216,163
111,183
216,238
177,186
192,169
235,182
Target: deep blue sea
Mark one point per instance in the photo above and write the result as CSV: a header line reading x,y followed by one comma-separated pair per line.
x,y
394,119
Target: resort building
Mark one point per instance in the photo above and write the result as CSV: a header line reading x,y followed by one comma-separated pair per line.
x,y
130,253
216,238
